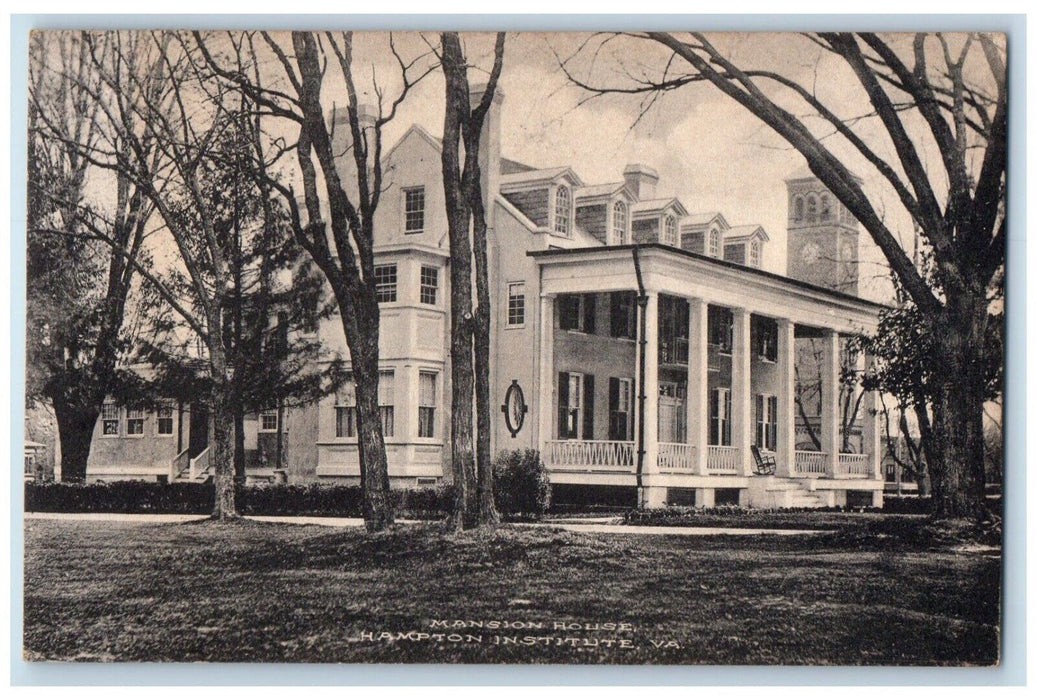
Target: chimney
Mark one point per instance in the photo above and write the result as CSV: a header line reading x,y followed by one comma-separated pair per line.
x,y
641,180
489,147
342,134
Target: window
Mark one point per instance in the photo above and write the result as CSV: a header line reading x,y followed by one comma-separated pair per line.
x,y
826,208
619,223
575,406
268,421
754,253
134,421
622,314
414,209
385,283
621,397
766,339
714,243
721,329
811,209
386,401
427,404
673,330
563,210
767,422
798,209
164,416
109,419
670,231
345,410
577,312
429,284
720,416
516,304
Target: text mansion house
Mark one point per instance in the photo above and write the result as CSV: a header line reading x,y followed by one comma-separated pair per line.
x,y
638,346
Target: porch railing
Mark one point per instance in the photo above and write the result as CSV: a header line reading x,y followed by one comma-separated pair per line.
x,y
815,463
854,464
676,456
179,464
592,455
200,464
721,459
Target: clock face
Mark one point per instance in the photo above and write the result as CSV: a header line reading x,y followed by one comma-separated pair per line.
x,y
810,253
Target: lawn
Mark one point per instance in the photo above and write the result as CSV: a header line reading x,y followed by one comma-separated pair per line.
x,y
273,592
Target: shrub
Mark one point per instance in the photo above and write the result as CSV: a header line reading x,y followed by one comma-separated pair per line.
x,y
520,483
907,505
197,499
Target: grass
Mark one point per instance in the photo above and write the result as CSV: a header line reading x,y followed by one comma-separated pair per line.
x,y
253,591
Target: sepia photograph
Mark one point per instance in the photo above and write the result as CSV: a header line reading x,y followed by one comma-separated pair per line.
x,y
446,347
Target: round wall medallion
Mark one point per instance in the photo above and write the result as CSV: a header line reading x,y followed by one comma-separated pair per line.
x,y
514,408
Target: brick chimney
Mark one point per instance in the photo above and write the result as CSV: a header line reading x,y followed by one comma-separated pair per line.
x,y
641,180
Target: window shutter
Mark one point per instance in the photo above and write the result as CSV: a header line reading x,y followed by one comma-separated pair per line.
x,y
714,417
563,405
588,312
588,407
616,325
773,401
727,417
614,428
570,307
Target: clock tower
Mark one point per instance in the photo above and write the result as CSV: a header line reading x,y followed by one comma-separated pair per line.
x,y
823,246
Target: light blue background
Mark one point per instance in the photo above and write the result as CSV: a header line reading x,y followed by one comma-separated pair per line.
x,y
1012,671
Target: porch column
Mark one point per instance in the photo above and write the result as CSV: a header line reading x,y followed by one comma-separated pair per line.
x,y
786,452
545,404
871,437
830,402
653,496
698,383
741,401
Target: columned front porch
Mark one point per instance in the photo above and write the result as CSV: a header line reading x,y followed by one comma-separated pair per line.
x,y
657,382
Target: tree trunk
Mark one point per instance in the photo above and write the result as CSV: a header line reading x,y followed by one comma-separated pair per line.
x,y
374,467
484,467
239,444
956,461
75,432
221,445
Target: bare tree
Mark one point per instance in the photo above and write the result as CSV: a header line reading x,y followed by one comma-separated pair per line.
x,y
349,192
955,87
472,472
78,290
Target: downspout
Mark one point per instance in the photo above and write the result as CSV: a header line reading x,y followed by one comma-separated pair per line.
x,y
642,341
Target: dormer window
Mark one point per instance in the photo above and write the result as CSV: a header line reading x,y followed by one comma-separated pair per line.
x,y
754,254
670,231
619,223
714,243
563,210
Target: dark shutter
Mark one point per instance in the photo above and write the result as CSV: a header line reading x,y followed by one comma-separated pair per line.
x,y
588,312
563,405
773,401
727,417
617,320
761,430
588,407
616,431
714,408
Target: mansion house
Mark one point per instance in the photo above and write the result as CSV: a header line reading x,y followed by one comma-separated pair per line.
x,y
640,347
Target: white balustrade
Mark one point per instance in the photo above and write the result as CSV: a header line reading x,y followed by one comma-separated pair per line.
x,y
854,464
722,459
676,456
811,463
592,455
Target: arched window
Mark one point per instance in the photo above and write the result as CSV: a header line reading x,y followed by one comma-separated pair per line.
x,y
826,208
811,209
798,209
670,231
714,243
563,210
619,223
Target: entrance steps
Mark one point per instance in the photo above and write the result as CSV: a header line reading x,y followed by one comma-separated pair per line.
x,y
784,492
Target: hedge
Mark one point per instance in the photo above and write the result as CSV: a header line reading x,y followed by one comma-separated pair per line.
x,y
198,499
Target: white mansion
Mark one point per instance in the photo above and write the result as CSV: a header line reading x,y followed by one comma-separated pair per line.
x,y
639,347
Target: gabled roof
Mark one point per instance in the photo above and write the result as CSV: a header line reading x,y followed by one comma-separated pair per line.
x,y
648,206
745,232
703,219
436,144
509,166
542,175
606,190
